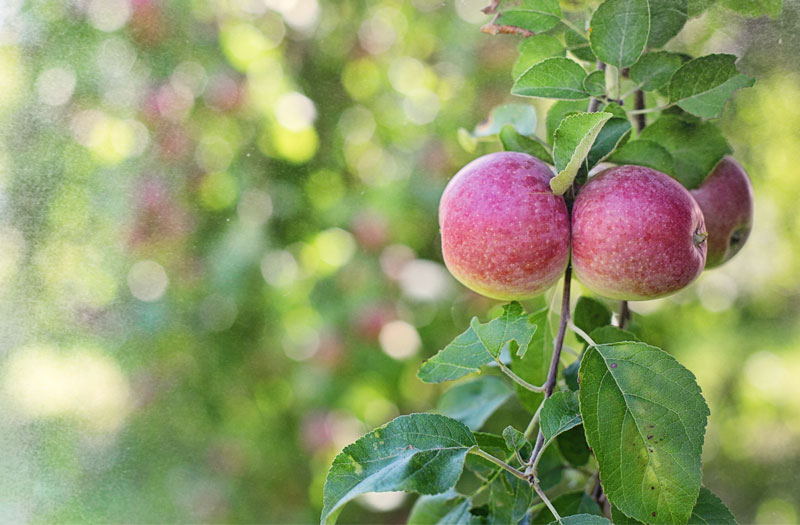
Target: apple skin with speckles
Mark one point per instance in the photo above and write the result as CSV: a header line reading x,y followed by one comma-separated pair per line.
x,y
505,234
637,234
726,198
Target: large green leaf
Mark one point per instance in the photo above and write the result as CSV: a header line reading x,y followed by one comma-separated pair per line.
x,y
653,70
480,344
619,31
513,141
560,412
535,49
695,147
611,334
449,508
510,498
667,18
529,16
556,77
536,363
558,111
418,453
644,153
567,504
645,420
702,86
573,140
472,402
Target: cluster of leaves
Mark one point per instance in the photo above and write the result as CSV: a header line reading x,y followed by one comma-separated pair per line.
x,y
626,415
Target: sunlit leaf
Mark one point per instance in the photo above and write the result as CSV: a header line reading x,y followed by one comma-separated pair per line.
x,y
619,31
702,86
653,70
535,49
667,18
555,77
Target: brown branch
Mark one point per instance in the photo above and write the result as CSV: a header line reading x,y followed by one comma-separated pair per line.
x,y
638,104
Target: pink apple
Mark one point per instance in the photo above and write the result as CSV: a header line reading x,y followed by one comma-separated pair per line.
x,y
637,234
726,198
505,234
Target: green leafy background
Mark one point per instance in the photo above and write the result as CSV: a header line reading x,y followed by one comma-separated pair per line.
x,y
220,257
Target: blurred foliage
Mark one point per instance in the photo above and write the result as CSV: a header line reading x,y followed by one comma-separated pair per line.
x,y
219,258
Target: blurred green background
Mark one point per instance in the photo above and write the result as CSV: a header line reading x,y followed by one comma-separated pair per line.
x,y
219,256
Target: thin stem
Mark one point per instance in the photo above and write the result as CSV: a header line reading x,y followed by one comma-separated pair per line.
x,y
574,27
649,110
624,314
514,377
500,463
572,351
638,104
546,501
583,335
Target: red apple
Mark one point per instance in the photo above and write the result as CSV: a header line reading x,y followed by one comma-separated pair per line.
x,y
505,234
637,234
726,198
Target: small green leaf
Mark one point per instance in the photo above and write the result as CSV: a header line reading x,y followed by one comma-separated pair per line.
x,y
619,31
695,147
509,500
582,519
573,447
615,132
568,504
579,46
710,509
516,442
654,70
611,334
648,436
513,141
595,83
472,402
480,344
698,7
644,153
560,412
702,86
616,110
555,77
536,364
449,508
530,16
667,18
771,8
522,117
535,49
590,314
558,111
570,374
418,453
573,140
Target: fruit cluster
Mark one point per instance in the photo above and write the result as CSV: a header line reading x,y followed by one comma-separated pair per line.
x,y
634,232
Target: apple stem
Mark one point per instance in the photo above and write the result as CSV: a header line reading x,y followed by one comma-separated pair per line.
x,y
640,119
624,314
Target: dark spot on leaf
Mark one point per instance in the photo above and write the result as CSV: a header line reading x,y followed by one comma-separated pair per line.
x,y
654,513
650,437
613,365
652,488
650,449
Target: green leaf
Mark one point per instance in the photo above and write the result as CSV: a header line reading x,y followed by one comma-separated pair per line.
x,y
619,31
555,77
474,401
418,453
644,153
579,46
551,468
611,334
573,140
573,447
535,49
702,86
494,445
595,83
654,70
645,420
509,500
753,8
513,141
516,442
560,412
616,110
449,508
480,344
698,7
570,374
667,18
695,147
531,16
615,132
710,509
522,117
558,111
590,314
567,504
582,519
536,363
